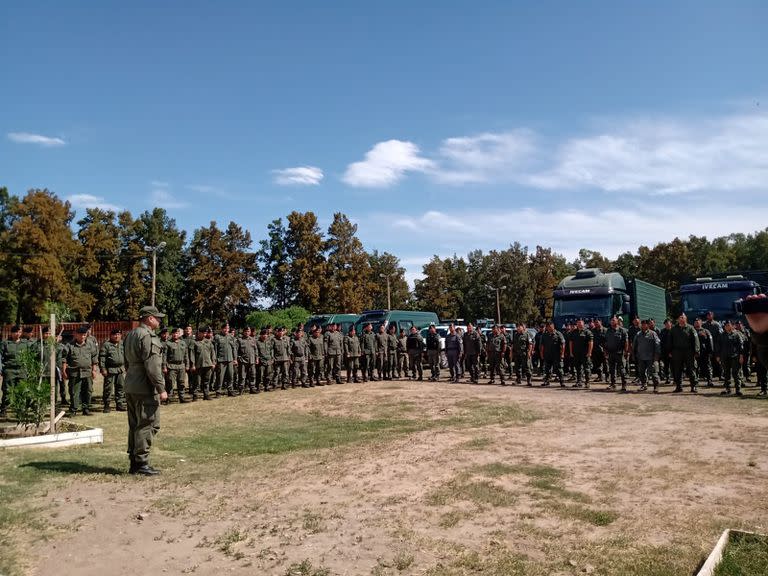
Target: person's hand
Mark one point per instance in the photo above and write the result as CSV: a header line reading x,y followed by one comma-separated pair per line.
x,y
759,321
163,396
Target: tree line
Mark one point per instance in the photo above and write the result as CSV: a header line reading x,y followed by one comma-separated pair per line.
x,y
97,267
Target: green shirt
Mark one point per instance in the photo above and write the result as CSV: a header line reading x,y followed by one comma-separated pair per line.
x,y
176,355
144,362
352,346
80,359
112,358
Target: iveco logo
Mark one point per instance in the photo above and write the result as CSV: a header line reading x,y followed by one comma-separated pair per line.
x,y
586,291
714,285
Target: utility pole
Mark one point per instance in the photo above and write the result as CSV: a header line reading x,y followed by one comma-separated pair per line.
x,y
389,292
154,250
498,306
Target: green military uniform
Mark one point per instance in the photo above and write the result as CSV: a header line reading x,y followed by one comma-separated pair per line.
x,y
79,360
646,350
391,354
226,352
112,367
176,363
706,351
497,346
615,343
352,352
368,347
281,352
414,344
684,345
472,345
203,361
731,349
59,386
246,359
599,357
581,356
432,344
382,340
144,383
334,348
316,349
10,354
552,352
402,356
265,359
299,353
522,348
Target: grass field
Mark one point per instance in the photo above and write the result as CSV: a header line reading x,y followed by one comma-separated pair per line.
x,y
393,478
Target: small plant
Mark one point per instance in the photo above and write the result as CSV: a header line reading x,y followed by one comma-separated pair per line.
x,y
30,398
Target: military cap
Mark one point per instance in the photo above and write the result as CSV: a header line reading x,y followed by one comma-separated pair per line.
x,y
163,330
263,332
643,321
115,331
15,328
726,322
208,329
46,330
150,311
27,330
82,330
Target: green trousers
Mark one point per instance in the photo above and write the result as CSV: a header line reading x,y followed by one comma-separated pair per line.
x,y
143,424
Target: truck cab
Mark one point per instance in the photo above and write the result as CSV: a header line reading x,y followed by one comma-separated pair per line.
x,y
589,294
716,294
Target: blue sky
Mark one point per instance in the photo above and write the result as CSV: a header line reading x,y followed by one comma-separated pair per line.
x,y
438,127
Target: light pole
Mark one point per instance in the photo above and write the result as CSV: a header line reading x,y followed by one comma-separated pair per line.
x,y
498,307
389,293
154,250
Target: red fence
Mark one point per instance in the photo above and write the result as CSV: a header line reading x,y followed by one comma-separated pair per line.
x,y
100,330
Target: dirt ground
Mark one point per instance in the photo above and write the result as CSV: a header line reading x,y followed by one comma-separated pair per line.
x,y
459,479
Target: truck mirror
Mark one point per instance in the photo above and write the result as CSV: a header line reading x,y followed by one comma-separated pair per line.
x,y
626,297
625,308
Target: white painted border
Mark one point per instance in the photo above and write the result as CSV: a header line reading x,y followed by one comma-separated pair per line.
x,y
90,436
717,554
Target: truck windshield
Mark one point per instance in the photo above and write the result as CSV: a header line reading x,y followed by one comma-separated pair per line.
x,y
720,302
598,307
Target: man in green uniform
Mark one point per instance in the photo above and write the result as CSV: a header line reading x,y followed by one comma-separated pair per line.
x,y
246,358
316,346
226,353
684,348
176,364
497,345
714,328
402,354
334,348
112,366
731,350
11,361
45,357
581,353
432,345
381,353
391,351
202,359
299,352
617,349
80,362
552,352
415,347
281,352
144,389
368,347
706,351
264,360
352,354
599,358
472,344
522,350
646,350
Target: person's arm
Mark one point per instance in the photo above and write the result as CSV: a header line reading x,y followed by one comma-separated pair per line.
x,y
758,322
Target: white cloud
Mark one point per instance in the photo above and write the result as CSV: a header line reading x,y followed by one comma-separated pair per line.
x,y
665,157
160,184
612,231
83,201
28,138
163,198
298,176
486,157
385,164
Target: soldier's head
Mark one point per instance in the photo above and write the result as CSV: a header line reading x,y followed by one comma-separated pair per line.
x,y
299,331
15,332
81,334
580,324
470,327
728,326
682,320
200,333
381,329
414,330
263,333
164,334
651,323
208,332
150,317
614,322
27,332
247,331
697,323
225,329
187,331
644,325
368,327
598,323
636,321
432,329
351,330
391,328
549,327
402,331
176,334
495,330
451,328
520,327
710,315
667,323
738,326
115,335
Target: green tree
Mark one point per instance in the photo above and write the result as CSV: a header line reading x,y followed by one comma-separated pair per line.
x,y
98,262
348,268
432,292
274,266
385,265
134,291
221,271
304,246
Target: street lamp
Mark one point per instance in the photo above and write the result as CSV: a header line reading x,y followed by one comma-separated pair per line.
x,y
389,293
154,250
498,307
